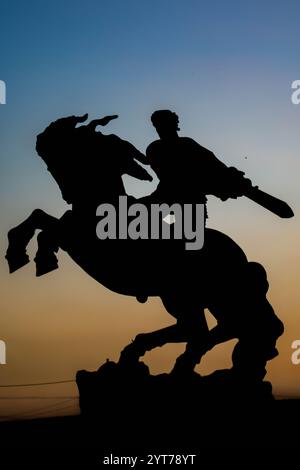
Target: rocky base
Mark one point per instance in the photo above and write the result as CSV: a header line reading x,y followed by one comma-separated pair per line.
x,y
138,410
129,412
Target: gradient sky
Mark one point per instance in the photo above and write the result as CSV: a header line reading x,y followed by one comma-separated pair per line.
x,y
226,68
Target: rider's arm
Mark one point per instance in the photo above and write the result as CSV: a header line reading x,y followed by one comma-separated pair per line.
x,y
134,152
220,180
130,166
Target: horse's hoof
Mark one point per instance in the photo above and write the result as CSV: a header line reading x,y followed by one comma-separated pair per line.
x,y
45,269
133,351
45,264
20,236
128,356
133,368
184,367
40,271
16,260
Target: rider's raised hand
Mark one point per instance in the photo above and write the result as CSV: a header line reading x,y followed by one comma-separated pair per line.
x,y
239,185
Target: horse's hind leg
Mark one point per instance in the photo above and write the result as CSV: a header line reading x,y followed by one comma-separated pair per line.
x,y
147,341
248,316
190,326
19,237
197,334
257,344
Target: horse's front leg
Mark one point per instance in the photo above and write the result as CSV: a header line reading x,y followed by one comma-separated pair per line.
x,y
48,245
20,236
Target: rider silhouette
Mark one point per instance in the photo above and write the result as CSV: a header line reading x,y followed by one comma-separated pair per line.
x,y
187,171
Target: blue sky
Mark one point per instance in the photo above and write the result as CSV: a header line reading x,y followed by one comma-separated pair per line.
x,y
214,62
225,67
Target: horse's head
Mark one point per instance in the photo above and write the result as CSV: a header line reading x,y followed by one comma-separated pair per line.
x,y
86,163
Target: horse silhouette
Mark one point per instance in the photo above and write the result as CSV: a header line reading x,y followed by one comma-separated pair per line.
x,y
88,168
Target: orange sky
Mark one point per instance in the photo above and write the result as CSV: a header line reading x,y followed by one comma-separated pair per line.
x,y
65,321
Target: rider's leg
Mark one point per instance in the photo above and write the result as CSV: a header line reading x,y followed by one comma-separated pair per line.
x,y
19,237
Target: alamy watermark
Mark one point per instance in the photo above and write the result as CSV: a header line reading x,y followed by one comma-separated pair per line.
x,y
295,97
2,352
155,222
2,92
295,357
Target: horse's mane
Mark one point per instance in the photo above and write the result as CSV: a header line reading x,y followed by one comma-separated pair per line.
x,y
58,146
77,156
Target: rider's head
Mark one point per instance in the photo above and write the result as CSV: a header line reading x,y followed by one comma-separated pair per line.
x,y
165,122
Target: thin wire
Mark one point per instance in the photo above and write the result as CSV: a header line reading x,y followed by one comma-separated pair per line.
x,y
36,397
37,384
45,409
59,406
41,410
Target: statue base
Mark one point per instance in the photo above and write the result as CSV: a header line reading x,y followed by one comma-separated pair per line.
x,y
136,410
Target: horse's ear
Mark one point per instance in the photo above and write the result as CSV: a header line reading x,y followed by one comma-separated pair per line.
x,y
101,122
82,118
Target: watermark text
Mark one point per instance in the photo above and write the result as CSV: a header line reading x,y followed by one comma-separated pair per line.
x,y
154,221
2,92
2,352
295,97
